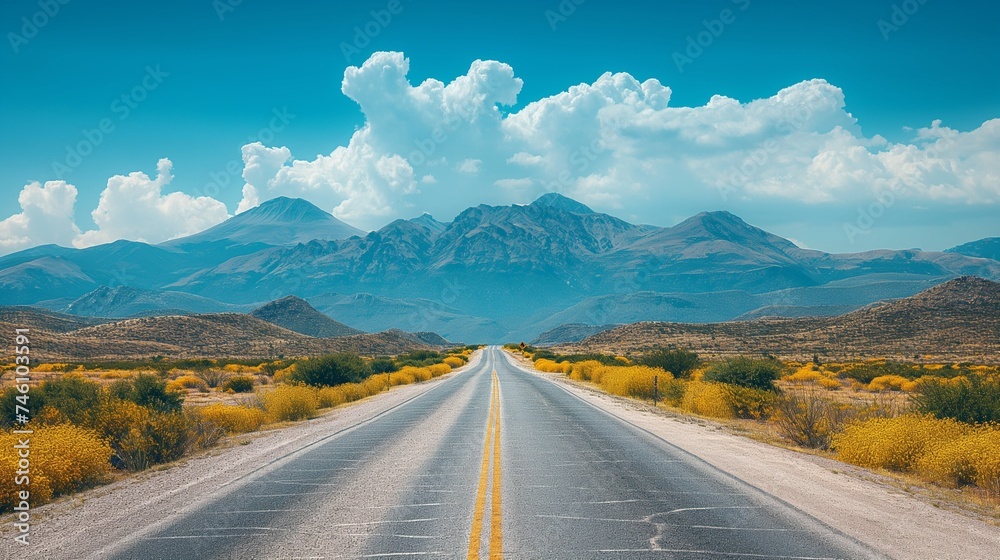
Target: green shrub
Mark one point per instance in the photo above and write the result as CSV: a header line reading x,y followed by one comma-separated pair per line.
x,y
975,399
383,364
678,362
238,384
148,390
747,402
746,372
418,358
672,391
327,371
72,395
9,403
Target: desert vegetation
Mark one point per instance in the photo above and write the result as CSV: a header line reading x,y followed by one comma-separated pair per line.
x,y
92,421
939,423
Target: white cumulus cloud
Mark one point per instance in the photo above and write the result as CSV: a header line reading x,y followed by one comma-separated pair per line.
x,y
134,207
46,217
411,132
616,143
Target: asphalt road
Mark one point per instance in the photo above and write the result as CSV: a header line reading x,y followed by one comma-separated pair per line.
x,y
493,462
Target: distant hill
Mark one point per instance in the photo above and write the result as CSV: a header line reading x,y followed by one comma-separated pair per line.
x,y
429,338
295,314
988,248
193,336
573,332
957,320
33,317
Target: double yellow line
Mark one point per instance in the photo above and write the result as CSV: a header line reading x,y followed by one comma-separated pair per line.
x,y
496,520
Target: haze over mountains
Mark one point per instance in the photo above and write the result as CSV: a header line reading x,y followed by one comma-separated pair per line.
x,y
492,274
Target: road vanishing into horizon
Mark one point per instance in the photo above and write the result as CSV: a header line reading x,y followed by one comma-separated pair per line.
x,y
492,462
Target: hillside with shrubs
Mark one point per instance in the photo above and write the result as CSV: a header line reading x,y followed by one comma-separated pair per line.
x,y
958,320
61,337
93,421
936,423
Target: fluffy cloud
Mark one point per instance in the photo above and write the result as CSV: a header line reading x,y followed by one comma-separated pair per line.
x,y
46,217
616,143
411,133
134,207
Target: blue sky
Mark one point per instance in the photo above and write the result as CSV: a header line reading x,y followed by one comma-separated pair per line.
x,y
220,75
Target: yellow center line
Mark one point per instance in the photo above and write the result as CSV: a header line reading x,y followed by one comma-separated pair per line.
x,y
496,527
492,436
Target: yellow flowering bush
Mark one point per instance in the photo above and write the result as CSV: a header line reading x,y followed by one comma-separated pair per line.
x,y
707,399
583,371
437,370
454,362
329,397
290,402
941,450
185,382
630,381
812,373
891,383
895,443
233,419
63,459
550,366
973,458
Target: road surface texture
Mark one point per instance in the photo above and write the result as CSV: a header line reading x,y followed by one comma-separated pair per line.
x,y
492,461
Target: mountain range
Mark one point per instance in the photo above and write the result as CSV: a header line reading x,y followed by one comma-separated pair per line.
x,y
494,273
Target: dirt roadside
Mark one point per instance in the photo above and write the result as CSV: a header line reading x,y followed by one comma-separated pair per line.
x,y
878,514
